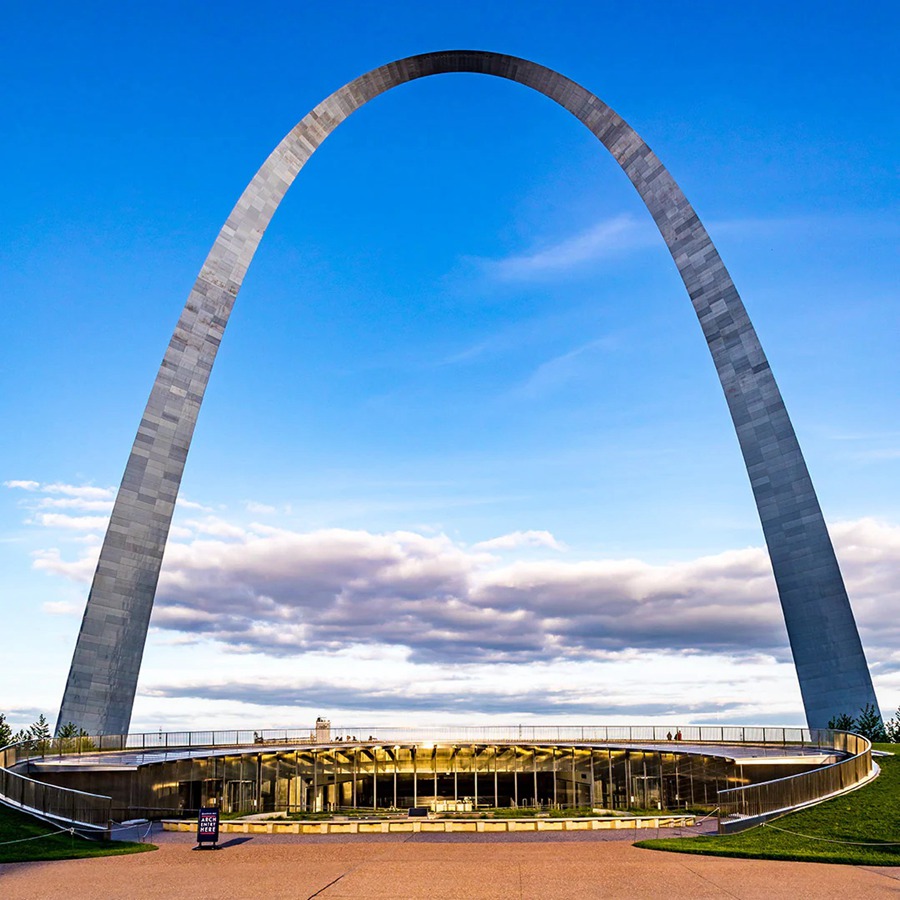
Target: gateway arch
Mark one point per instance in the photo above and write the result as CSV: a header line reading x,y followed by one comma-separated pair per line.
x,y
831,667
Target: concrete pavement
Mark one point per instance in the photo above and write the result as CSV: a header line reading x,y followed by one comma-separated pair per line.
x,y
394,867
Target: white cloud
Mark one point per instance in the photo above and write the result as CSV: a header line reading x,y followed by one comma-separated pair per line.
x,y
57,495
80,570
555,372
217,527
280,592
883,455
192,504
259,509
521,539
85,491
74,523
75,503
61,608
362,691
613,236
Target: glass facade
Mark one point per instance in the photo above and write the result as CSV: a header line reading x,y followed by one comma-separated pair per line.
x,y
444,777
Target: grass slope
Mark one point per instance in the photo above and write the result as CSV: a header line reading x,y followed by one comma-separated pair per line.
x,y
15,825
870,815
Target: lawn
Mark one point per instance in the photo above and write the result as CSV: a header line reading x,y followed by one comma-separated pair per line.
x,y
15,825
869,816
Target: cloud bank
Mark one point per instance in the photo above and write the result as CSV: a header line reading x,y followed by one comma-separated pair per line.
x,y
508,624
258,588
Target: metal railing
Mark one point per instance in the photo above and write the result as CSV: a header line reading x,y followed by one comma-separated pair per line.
x,y
745,807
85,812
489,734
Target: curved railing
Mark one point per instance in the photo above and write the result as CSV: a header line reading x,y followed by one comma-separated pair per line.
x,y
704,734
86,813
744,807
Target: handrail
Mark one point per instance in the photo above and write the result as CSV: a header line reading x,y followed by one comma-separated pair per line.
x,y
82,810
744,807
669,735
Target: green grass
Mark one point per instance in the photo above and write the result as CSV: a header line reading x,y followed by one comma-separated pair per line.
x,y
869,815
15,825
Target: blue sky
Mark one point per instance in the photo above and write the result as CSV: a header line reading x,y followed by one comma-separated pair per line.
x,y
463,403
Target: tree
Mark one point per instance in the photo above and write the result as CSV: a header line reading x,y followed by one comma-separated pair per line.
x,y
843,722
83,741
66,737
892,728
6,735
40,734
71,739
869,724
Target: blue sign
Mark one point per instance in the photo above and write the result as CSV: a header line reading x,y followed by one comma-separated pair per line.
x,y
208,826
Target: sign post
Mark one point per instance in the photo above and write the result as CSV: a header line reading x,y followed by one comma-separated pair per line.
x,y
208,827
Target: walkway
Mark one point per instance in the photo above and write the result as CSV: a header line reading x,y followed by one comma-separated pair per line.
x,y
394,867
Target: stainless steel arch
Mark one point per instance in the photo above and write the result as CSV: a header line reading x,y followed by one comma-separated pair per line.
x,y
831,666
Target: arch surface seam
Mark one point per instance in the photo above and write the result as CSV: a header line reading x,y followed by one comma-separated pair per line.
x,y
831,667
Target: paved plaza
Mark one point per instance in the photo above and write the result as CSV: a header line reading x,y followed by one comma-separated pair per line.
x,y
457,867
